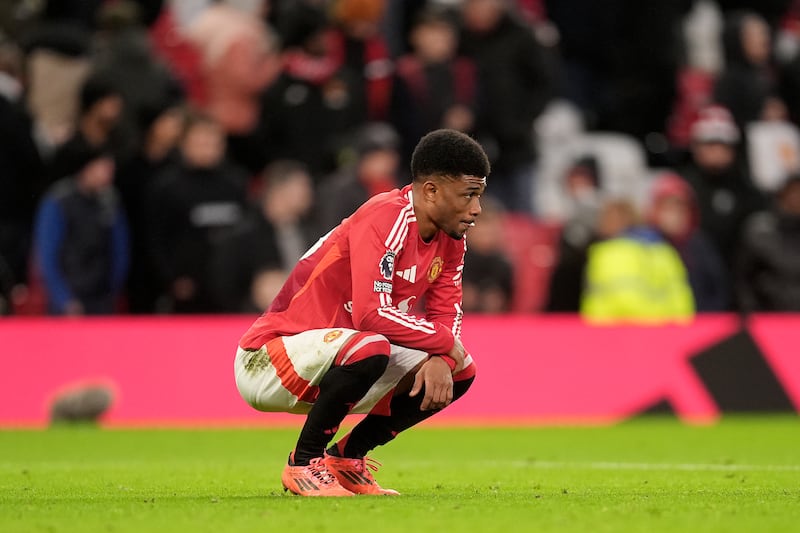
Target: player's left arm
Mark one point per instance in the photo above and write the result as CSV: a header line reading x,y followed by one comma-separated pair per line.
x,y
443,305
444,297
444,301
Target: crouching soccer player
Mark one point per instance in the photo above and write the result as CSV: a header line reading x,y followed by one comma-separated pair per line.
x,y
342,336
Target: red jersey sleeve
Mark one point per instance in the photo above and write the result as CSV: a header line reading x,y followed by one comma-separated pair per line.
x,y
374,241
445,294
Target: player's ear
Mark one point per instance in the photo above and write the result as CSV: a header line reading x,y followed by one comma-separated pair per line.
x,y
429,189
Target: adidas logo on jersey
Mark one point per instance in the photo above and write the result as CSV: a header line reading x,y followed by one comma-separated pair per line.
x,y
409,274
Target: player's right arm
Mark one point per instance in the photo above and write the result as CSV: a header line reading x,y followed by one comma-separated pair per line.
x,y
374,241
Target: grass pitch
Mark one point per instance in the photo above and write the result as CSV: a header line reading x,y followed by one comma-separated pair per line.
x,y
644,475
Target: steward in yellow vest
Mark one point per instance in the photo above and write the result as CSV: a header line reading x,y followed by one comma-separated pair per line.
x,y
637,277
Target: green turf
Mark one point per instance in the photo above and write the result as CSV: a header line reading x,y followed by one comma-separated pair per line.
x,y
648,475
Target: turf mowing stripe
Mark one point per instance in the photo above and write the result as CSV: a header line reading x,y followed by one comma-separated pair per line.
x,y
686,467
611,465
545,465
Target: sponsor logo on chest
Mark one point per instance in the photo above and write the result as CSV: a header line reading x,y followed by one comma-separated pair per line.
x,y
382,286
408,274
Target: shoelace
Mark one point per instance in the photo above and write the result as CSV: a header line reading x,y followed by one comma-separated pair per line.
x,y
366,464
318,470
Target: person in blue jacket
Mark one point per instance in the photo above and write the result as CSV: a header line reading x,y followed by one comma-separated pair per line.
x,y
81,243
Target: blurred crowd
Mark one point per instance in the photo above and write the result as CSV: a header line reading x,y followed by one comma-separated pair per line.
x,y
180,156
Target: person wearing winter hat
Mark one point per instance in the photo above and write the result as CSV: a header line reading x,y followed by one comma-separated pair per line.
x,y
673,212
725,195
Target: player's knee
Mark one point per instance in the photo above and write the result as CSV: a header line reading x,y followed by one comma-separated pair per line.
x,y
462,382
371,368
364,345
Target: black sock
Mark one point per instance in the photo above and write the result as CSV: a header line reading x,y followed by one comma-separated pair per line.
x,y
376,430
340,389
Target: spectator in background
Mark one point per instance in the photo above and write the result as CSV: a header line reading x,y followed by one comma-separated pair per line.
x,y
633,275
582,185
21,169
772,11
311,105
101,107
514,87
746,87
239,60
673,212
81,238
399,18
787,52
264,288
620,59
725,196
374,171
189,205
366,65
488,283
161,129
434,88
768,273
173,46
84,13
124,56
251,262
58,46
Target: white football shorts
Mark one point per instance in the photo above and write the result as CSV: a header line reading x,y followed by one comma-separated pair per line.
x,y
284,374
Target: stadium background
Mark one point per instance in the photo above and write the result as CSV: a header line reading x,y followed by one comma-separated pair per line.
x,y
629,99
685,425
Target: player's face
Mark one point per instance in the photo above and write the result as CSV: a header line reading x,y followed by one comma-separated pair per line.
x,y
457,204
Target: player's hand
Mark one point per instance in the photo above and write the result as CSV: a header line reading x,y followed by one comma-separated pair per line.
x,y
457,353
435,374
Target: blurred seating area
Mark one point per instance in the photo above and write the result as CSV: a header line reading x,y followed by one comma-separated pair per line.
x,y
178,156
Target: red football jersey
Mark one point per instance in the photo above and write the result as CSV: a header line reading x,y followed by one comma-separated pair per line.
x,y
367,274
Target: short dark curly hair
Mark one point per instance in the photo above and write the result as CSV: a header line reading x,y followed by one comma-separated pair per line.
x,y
448,153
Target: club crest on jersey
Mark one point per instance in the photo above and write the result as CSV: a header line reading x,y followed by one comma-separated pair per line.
x,y
387,265
332,335
435,269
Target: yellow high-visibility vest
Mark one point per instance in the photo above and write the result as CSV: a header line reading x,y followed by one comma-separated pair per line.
x,y
636,281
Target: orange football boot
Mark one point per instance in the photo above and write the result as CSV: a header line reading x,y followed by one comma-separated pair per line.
x,y
355,476
314,479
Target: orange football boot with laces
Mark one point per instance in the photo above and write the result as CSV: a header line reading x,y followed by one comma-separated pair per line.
x,y
314,479
355,476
